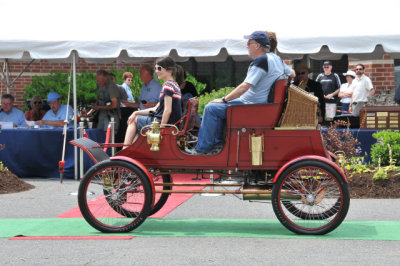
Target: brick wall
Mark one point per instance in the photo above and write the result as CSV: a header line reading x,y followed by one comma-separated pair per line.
x,y
381,72
44,67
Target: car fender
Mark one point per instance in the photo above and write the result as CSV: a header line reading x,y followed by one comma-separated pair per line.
x,y
310,157
142,167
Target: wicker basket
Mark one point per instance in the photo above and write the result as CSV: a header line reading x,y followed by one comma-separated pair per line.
x,y
301,110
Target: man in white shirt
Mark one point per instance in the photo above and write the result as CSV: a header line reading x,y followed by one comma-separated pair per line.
x,y
362,89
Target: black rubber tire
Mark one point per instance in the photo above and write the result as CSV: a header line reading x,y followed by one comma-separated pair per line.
x,y
309,223
104,217
159,203
303,215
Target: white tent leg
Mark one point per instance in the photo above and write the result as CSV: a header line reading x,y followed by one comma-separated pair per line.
x,y
75,114
7,78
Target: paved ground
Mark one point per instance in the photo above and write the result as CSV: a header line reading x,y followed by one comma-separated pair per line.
x,y
51,198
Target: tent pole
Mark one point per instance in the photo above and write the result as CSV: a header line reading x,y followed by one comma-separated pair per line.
x,y
22,72
75,114
7,78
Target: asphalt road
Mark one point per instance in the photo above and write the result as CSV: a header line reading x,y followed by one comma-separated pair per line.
x,y
51,198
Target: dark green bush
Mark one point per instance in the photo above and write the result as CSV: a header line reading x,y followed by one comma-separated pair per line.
x,y
208,97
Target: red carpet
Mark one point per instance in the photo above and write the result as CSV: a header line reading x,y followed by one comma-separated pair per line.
x,y
69,237
173,201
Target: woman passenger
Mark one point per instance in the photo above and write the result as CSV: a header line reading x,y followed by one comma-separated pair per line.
x,y
37,112
168,110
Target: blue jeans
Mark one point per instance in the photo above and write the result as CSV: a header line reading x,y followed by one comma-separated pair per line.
x,y
345,107
212,125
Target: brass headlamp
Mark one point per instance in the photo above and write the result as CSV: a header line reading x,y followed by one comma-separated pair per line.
x,y
154,136
341,158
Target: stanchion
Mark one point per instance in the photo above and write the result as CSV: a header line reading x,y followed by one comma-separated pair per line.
x,y
112,135
107,136
81,135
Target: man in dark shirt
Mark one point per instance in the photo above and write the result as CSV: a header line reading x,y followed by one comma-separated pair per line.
x,y
330,83
312,87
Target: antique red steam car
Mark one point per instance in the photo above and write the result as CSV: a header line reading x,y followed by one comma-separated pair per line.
x,y
270,152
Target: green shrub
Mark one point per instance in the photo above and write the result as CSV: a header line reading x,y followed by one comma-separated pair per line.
x,y
198,85
380,150
208,97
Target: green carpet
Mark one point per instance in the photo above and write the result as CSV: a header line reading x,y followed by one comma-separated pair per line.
x,y
252,228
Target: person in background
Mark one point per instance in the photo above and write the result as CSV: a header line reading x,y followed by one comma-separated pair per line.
x,y
186,86
36,113
346,91
58,112
107,101
273,41
127,78
311,86
168,110
9,113
362,89
151,88
330,83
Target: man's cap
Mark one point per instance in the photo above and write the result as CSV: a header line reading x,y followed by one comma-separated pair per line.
x,y
259,36
350,73
52,96
327,62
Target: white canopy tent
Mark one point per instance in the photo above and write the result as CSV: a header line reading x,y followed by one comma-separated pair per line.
x,y
208,30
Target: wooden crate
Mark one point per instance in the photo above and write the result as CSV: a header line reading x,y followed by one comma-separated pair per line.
x,y
380,117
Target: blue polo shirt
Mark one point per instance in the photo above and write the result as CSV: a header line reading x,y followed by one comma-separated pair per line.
x,y
62,111
262,73
150,92
15,115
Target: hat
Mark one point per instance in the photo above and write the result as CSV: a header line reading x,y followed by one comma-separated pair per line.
x,y
350,73
52,96
328,63
259,36
300,66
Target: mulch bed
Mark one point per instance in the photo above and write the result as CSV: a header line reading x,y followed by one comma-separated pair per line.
x,y
10,183
364,186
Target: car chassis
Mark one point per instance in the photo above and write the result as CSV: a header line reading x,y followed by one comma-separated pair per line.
x,y
260,160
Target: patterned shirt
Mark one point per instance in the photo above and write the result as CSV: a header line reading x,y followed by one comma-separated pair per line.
x,y
170,88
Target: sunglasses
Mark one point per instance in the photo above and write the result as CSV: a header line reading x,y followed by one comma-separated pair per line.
x,y
359,69
250,43
300,73
37,102
158,68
